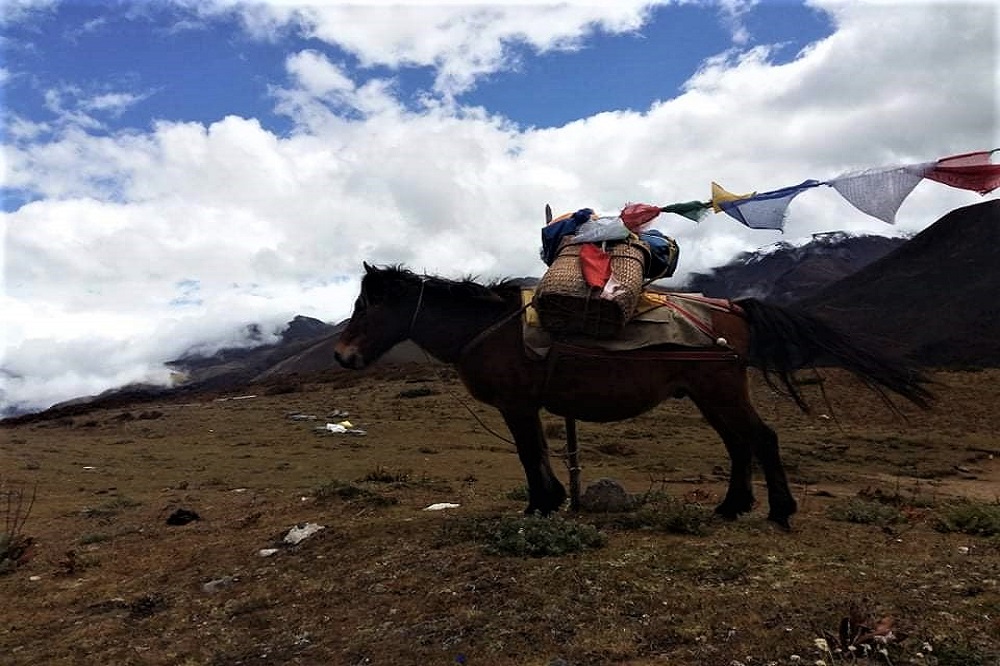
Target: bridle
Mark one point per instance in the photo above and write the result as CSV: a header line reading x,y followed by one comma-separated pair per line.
x,y
482,335
416,311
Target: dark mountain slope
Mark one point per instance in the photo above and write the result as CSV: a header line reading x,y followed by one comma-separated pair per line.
x,y
784,273
934,298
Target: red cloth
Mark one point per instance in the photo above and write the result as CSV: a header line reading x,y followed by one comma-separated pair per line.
x,y
971,171
595,264
636,215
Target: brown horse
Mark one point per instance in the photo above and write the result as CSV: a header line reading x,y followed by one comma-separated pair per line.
x,y
478,329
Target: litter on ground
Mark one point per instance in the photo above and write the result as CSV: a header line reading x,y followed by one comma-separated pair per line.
x,y
344,427
441,506
300,533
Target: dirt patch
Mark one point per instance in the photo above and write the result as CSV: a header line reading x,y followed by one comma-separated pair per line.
x,y
386,582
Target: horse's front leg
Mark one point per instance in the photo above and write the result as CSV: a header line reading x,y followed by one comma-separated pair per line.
x,y
545,492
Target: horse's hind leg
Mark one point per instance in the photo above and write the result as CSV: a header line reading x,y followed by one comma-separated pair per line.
x,y
745,435
545,492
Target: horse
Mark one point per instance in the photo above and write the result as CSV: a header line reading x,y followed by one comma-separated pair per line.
x,y
477,329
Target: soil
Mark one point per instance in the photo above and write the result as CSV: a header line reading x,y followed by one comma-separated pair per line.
x,y
110,581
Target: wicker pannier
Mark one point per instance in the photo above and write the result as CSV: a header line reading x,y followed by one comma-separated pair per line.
x,y
567,305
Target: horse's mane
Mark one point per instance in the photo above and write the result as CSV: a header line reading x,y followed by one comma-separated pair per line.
x,y
466,287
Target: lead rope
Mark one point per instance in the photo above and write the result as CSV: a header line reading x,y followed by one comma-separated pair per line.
x,y
477,339
490,330
570,453
458,399
416,310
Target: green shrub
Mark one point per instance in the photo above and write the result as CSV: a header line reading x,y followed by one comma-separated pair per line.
x,y
658,511
382,475
111,508
96,537
532,536
865,512
959,654
970,518
349,492
913,498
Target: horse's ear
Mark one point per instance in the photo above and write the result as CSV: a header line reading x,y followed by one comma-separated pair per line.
x,y
368,269
548,214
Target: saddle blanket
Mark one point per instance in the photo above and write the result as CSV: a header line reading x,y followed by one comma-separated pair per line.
x,y
662,318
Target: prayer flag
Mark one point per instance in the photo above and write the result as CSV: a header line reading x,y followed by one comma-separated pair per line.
x,y
767,209
637,216
880,192
971,171
721,196
692,210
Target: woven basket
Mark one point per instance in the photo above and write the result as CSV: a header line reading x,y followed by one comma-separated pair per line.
x,y
567,305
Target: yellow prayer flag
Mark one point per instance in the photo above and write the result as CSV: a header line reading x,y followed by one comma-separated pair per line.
x,y
721,196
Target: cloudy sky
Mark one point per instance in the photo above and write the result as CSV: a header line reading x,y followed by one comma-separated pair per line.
x,y
173,170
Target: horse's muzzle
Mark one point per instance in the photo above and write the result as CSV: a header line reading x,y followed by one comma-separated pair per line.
x,y
348,357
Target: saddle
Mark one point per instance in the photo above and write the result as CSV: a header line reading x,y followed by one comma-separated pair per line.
x,y
662,318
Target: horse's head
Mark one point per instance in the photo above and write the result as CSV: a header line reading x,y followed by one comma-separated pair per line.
x,y
383,315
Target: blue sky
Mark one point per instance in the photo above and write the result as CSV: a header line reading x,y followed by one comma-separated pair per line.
x,y
632,71
175,65
173,170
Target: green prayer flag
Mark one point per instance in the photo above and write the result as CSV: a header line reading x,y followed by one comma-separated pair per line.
x,y
692,210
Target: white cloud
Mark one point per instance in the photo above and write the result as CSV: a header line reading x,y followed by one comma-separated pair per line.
x,y
113,103
184,233
461,42
318,76
733,12
76,108
322,92
19,10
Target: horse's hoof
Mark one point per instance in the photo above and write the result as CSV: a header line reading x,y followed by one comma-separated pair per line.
x,y
726,513
546,501
732,511
781,521
543,513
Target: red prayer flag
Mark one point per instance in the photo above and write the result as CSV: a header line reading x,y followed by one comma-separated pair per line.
x,y
636,215
969,171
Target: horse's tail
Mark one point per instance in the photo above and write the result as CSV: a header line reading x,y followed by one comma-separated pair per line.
x,y
784,339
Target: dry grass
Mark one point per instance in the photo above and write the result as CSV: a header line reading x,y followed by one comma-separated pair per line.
x,y
15,509
387,583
